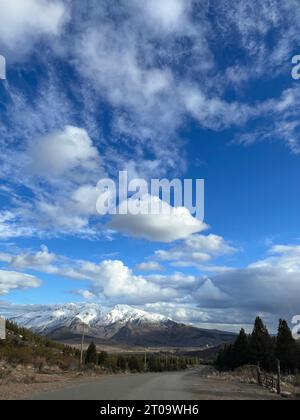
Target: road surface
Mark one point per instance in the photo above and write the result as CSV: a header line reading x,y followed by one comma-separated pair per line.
x,y
189,385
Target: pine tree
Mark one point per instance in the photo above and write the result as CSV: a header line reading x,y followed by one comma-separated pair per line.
x,y
220,359
102,358
133,364
91,357
122,364
241,350
225,360
286,347
262,348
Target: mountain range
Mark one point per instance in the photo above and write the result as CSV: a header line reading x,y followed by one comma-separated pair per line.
x,y
120,325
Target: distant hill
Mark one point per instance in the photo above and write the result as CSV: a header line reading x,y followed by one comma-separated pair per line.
x,y
170,334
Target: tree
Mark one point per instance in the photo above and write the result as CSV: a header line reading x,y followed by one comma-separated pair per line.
x,y
286,347
122,364
225,360
262,348
241,350
102,358
91,357
135,364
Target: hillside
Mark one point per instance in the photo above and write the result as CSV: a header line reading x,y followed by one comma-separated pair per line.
x,y
25,347
170,334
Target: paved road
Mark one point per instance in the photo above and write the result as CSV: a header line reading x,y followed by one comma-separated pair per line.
x,y
189,385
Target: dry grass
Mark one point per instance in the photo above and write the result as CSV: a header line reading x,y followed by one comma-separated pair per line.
x,y
17,382
248,375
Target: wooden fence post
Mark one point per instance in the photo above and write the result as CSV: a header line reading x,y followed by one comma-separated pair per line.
x,y
278,378
259,375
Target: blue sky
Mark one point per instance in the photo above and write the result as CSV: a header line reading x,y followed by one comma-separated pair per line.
x,y
197,89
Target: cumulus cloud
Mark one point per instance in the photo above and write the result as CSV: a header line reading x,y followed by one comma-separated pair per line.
x,y
270,286
167,225
11,280
22,23
196,250
117,282
41,259
69,153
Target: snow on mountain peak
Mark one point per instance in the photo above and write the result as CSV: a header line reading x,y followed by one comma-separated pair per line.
x,y
43,319
125,313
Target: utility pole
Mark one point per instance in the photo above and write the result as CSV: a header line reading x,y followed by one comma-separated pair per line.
x,y
82,344
145,361
259,380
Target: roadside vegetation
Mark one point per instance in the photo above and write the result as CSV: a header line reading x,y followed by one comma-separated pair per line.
x,y
263,349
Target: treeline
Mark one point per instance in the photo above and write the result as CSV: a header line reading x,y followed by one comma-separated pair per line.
x,y
260,347
136,363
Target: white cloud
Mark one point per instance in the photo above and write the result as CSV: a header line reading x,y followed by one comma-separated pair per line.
x,y
22,22
176,281
150,266
180,312
171,224
197,250
41,259
11,280
268,286
170,15
10,226
69,153
118,283
211,244
167,225
85,198
214,112
278,120
86,294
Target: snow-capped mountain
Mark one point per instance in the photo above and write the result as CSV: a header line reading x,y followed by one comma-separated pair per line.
x,y
120,325
46,319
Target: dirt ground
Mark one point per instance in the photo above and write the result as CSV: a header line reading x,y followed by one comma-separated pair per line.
x,y
19,381
200,384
